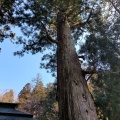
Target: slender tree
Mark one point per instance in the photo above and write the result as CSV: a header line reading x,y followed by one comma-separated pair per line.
x,y
38,97
24,97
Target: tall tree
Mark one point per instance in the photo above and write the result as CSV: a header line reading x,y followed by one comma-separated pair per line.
x,y
24,97
60,22
38,96
7,96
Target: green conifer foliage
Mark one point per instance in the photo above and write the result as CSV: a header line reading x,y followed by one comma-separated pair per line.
x,y
102,52
6,18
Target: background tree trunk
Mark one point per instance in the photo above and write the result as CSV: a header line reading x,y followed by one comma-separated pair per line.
x,y
75,101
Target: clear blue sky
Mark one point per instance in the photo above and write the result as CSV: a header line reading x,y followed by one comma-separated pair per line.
x,y
16,71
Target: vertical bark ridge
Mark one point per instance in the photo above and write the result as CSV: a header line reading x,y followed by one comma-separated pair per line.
x,y
73,92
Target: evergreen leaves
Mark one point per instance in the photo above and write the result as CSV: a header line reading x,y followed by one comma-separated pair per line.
x,y
102,53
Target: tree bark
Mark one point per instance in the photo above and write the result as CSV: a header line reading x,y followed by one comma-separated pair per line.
x,y
75,101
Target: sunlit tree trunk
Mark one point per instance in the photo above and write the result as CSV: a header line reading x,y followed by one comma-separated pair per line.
x,y
74,99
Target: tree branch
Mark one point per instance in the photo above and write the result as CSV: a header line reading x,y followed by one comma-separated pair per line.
x,y
90,76
48,36
111,72
84,73
107,72
82,56
72,11
82,23
114,6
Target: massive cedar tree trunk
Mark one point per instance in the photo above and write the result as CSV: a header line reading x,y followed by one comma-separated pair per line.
x,y
75,101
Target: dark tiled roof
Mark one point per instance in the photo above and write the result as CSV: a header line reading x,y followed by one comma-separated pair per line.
x,y
14,118
8,112
14,112
8,105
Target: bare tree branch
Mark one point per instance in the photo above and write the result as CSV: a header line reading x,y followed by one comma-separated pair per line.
x,y
114,6
107,72
79,23
89,77
48,36
72,11
112,72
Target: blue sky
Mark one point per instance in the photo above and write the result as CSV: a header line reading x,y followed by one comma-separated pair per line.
x,y
16,71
